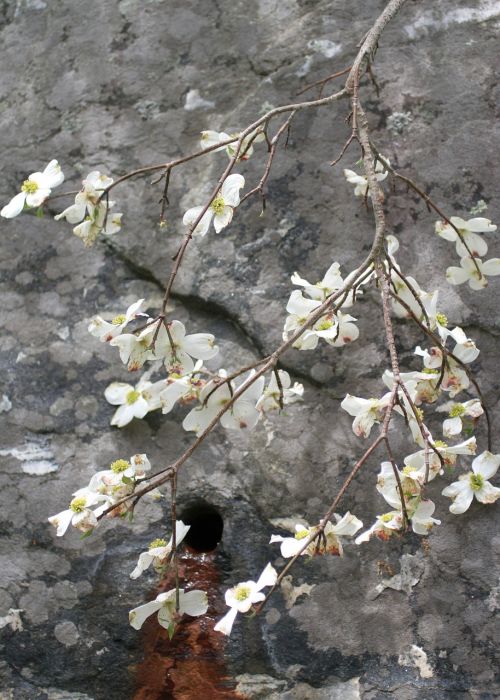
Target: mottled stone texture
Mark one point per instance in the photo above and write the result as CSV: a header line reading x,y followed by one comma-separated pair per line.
x,y
112,85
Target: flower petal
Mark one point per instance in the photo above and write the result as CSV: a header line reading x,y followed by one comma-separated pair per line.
x,y
194,603
53,175
14,207
230,190
192,215
225,624
223,219
486,464
267,578
116,393
137,616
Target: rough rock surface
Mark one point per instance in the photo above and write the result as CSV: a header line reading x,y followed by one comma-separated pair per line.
x,y
118,84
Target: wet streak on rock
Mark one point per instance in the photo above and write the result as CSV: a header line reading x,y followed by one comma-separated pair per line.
x,y
191,665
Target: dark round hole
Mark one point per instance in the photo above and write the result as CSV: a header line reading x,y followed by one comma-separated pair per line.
x,y
206,528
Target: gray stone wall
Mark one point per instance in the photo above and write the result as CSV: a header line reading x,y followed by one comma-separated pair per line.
x,y
114,85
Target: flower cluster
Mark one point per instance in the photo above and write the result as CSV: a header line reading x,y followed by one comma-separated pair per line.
x,y
105,489
91,211
335,328
327,541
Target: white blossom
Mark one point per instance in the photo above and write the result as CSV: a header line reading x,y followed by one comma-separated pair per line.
x,y
243,414
469,231
330,542
422,521
361,182
384,527
221,208
475,484
34,190
474,271
132,401
192,603
159,550
453,425
415,463
91,214
270,399
366,412
175,388
243,596
212,138
79,513
106,331
177,349
336,329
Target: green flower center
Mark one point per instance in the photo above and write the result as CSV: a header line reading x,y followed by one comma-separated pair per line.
x,y
386,517
218,204
325,325
119,466
419,413
442,319
242,593
439,444
118,320
429,370
77,505
132,396
157,543
476,481
29,187
456,410
301,534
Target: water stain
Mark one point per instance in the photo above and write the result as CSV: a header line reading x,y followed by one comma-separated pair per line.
x,y
191,666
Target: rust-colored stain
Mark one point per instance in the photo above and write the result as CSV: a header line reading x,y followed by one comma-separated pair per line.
x,y
191,665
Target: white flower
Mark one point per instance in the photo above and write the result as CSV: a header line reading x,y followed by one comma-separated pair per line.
x,y
106,331
92,213
34,190
212,138
79,513
329,543
221,208
387,486
455,378
133,402
243,414
422,521
243,596
331,282
177,388
135,350
270,399
475,484
468,230
453,425
415,463
193,603
361,182
474,272
384,527
133,469
366,412
336,329
427,299
177,349
159,550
